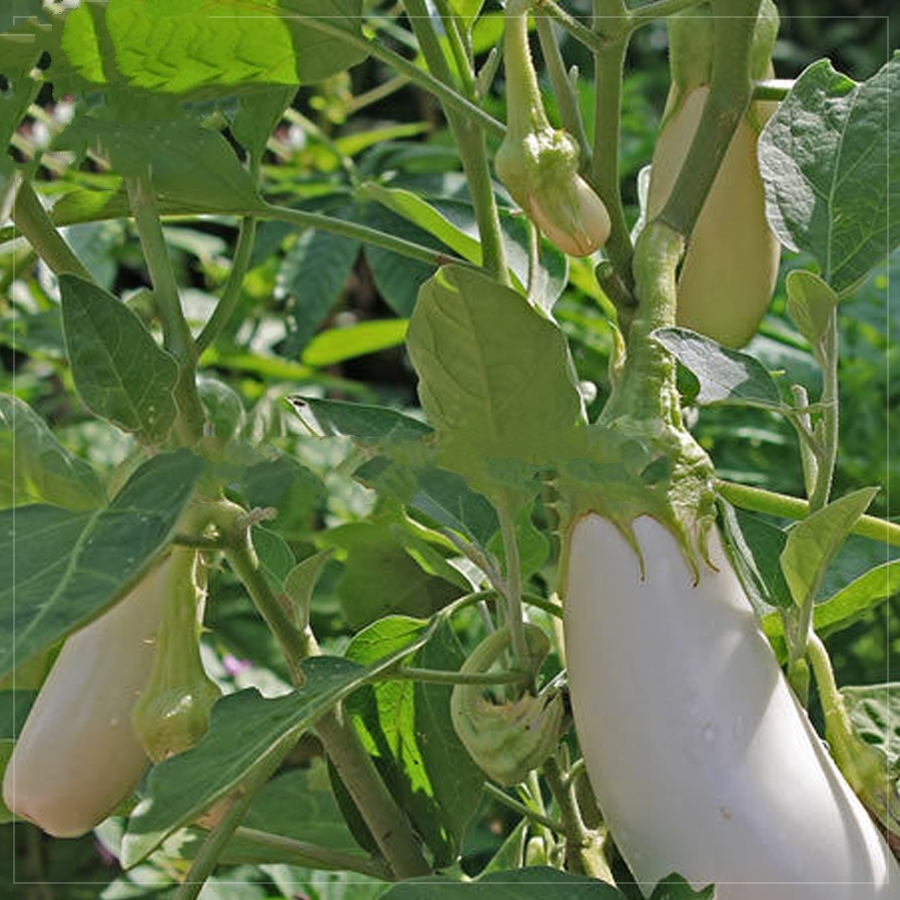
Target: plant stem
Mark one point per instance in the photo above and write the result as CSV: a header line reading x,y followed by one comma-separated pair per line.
x,y
449,98
33,221
439,676
361,233
205,861
313,856
513,584
730,93
523,810
760,500
469,136
232,293
566,98
593,40
386,821
660,9
177,337
829,400
603,176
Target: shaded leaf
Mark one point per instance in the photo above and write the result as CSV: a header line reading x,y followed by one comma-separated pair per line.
x,y
60,569
726,376
120,371
364,423
35,467
875,713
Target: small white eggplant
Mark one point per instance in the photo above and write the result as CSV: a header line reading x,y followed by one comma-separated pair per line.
x,y
702,761
77,756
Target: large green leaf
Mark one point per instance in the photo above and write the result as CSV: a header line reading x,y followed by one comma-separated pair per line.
x,y
406,726
875,712
120,371
832,171
60,569
246,731
35,467
495,377
214,48
365,424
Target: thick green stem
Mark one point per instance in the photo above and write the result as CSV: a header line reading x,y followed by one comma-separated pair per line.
x,y
33,221
232,294
730,93
593,40
386,821
513,585
609,62
177,337
524,105
760,500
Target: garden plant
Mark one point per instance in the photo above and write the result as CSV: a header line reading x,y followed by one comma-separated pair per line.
x,y
445,448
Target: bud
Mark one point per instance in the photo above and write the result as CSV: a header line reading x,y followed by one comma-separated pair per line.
x,y
506,740
538,164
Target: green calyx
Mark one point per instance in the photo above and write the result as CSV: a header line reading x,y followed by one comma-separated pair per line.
x,y
537,163
172,713
692,38
507,740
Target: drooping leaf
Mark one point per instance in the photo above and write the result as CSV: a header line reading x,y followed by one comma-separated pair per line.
x,y
120,371
364,423
35,467
831,170
726,376
60,569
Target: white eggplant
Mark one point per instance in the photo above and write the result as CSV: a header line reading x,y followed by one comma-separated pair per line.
x,y
77,756
702,760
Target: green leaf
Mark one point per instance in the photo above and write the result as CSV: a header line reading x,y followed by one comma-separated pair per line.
x,y
536,883
875,713
300,582
381,577
311,279
445,498
35,467
340,344
14,708
60,569
276,559
726,376
674,887
365,424
495,376
215,48
848,605
120,371
754,547
813,542
406,726
831,170
245,731
191,166
258,115
16,10
811,304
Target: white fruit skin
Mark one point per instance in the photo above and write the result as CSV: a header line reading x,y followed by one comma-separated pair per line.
x,y
77,756
731,264
701,759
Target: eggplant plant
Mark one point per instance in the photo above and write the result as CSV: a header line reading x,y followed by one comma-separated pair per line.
x,y
388,506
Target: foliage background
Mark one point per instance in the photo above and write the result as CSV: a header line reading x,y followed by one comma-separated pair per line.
x,y
320,316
